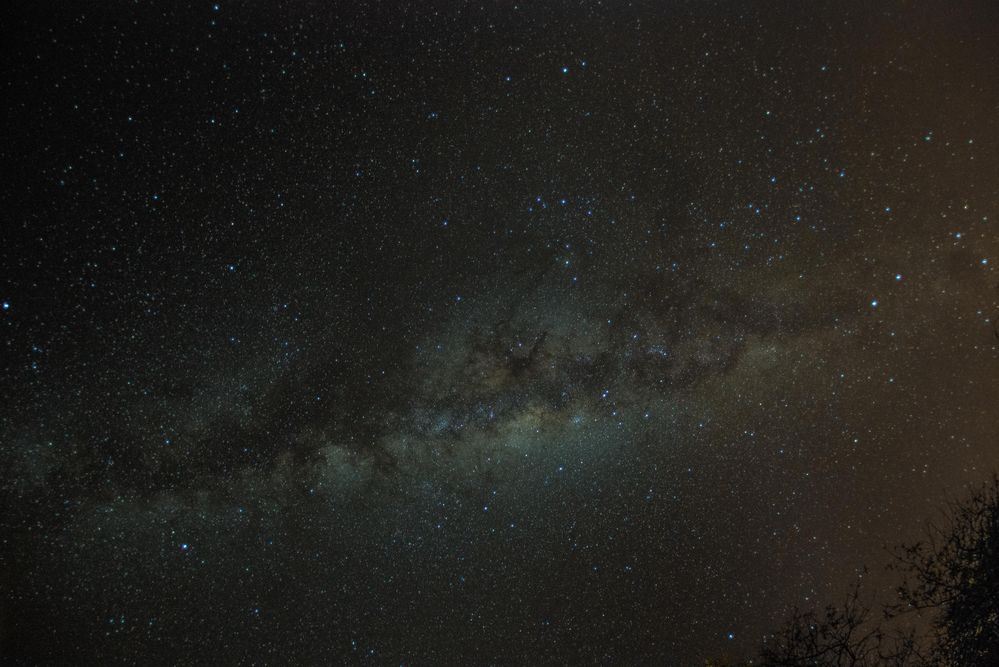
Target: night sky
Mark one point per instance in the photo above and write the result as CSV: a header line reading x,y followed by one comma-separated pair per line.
x,y
440,333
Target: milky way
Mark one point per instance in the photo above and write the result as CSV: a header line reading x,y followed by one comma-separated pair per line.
x,y
484,334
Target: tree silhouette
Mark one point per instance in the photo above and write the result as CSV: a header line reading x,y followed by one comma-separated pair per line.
x,y
951,577
840,636
954,573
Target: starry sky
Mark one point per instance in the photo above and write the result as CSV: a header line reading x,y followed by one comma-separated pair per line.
x,y
484,332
